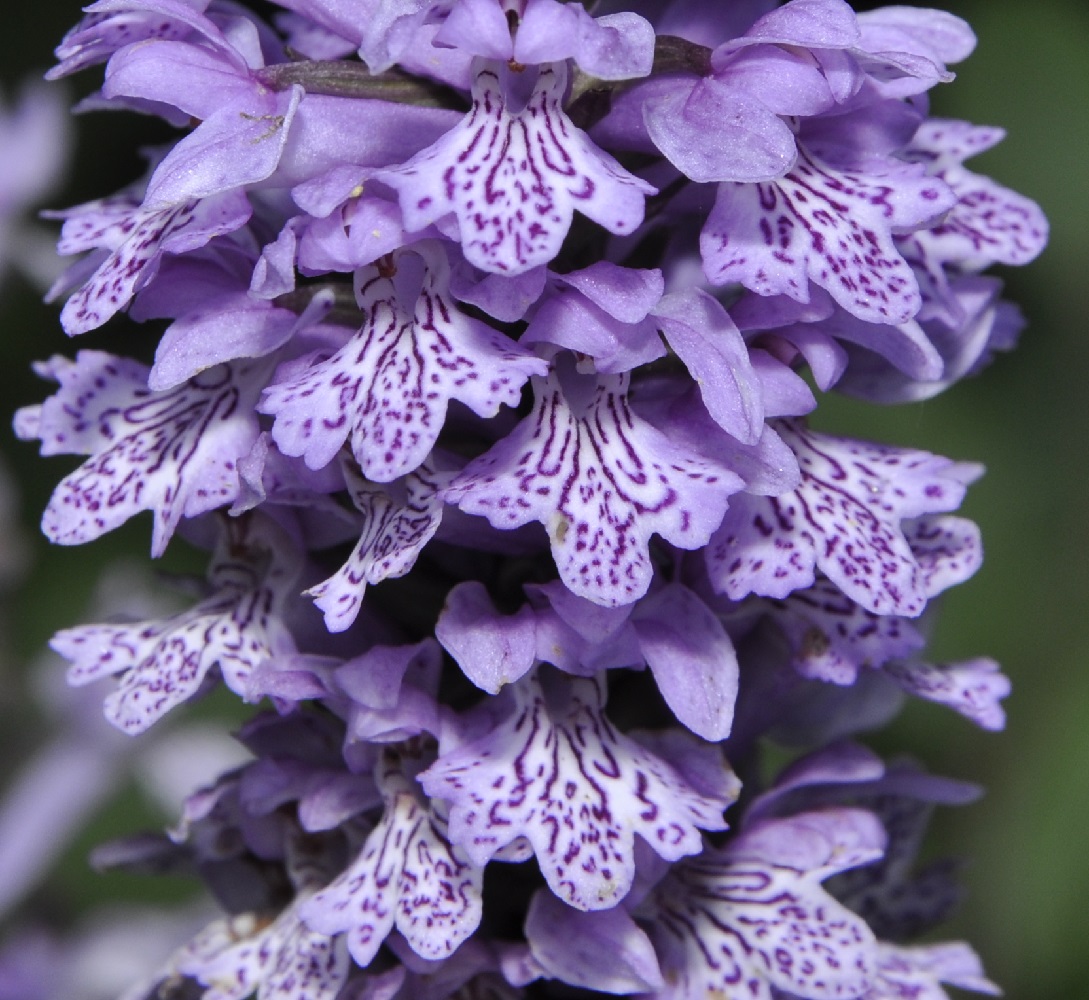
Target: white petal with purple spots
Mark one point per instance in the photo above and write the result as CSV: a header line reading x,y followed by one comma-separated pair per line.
x,y
559,774
601,481
514,176
387,389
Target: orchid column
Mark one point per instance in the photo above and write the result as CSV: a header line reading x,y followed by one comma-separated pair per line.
x,y
490,332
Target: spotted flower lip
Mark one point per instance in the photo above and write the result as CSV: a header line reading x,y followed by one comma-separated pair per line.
x,y
514,172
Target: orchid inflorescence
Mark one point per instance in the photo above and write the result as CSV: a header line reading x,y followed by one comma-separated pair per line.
x,y
492,331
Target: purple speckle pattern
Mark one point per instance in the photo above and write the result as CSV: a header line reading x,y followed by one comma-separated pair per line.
x,y
514,178
136,239
916,973
845,519
164,662
249,955
832,638
974,688
174,453
601,481
388,388
830,226
406,876
737,928
399,519
559,774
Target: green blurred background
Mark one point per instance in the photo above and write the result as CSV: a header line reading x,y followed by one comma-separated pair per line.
x,y
1027,419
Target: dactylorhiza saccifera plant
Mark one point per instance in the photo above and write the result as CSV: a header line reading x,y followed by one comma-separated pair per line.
x,y
490,334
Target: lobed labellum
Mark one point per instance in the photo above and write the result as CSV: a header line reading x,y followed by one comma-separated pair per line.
x,y
163,662
974,688
829,226
845,519
917,973
514,178
399,519
832,638
557,773
407,875
743,927
601,481
388,388
174,452
136,239
282,960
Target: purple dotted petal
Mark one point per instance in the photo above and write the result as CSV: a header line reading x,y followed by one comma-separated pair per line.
x,y
388,388
558,773
173,452
601,481
826,225
845,519
164,662
514,178
399,519
407,876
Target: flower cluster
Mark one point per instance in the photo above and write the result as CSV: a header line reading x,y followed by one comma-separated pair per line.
x,y
491,329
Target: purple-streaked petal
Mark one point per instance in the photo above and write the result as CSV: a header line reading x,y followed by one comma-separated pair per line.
x,y
147,234
174,453
407,876
845,519
831,226
165,661
399,519
239,956
742,923
974,688
601,481
832,638
558,773
514,178
388,388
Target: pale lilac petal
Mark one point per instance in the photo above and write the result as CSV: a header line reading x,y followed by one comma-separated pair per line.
x,y
147,235
704,337
174,453
514,178
406,876
479,27
742,923
399,519
387,389
165,661
692,659
845,520
613,47
973,688
603,950
711,132
830,226
558,773
818,24
601,481
492,650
